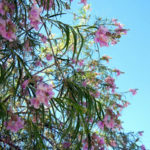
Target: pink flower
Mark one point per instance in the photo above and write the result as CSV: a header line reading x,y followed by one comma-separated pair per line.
x,y
85,146
111,124
20,123
24,84
143,147
140,133
113,41
101,141
15,124
117,71
35,102
111,83
2,26
84,2
106,118
49,57
73,61
35,12
133,91
66,144
10,33
46,88
38,63
101,36
81,62
43,38
44,93
6,7
84,83
2,11
34,16
10,36
100,125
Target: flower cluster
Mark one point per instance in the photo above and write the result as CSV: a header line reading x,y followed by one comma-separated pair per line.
x,y
14,124
34,16
110,121
111,83
44,93
7,27
97,142
6,8
103,36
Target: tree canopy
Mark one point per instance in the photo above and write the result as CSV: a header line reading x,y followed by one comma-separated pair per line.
x,y
57,91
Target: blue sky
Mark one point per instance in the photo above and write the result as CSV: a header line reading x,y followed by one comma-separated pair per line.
x,y
131,55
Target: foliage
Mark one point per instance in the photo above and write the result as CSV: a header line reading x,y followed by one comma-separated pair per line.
x,y
56,90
